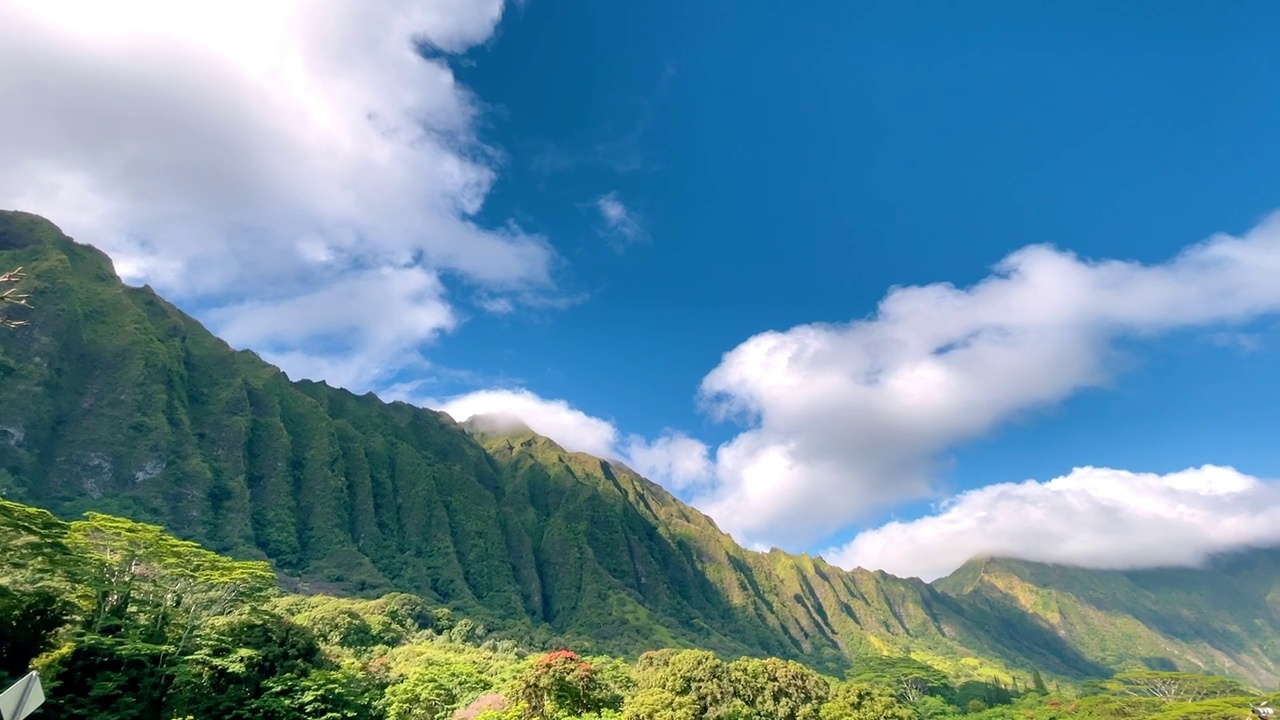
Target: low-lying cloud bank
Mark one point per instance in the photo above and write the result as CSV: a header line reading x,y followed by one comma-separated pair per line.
x,y
1093,517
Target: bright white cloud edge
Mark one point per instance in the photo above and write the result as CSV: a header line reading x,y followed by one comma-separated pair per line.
x,y
276,162
295,173
1093,517
849,418
673,459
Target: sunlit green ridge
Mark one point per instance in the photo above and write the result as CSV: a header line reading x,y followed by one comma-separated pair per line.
x,y
115,401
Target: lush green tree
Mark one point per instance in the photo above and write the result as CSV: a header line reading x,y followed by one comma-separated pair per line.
x,y
337,623
29,621
910,679
165,587
560,683
435,690
339,694
776,689
1173,686
1037,683
132,597
863,701
698,675
234,659
660,704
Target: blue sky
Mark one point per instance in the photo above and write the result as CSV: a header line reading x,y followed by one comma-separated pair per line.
x,y
791,167
615,195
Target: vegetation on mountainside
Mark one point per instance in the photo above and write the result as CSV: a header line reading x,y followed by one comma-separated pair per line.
x,y
125,621
113,401
1216,619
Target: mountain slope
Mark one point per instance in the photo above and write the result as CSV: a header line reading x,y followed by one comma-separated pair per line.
x,y
628,543
115,401
1220,619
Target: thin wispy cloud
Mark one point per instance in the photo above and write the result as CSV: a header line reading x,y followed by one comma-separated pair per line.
x,y
620,222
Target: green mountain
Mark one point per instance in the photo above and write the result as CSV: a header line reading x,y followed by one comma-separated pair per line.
x,y
1220,619
115,401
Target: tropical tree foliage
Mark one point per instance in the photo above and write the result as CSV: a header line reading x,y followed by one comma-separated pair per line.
x,y
126,621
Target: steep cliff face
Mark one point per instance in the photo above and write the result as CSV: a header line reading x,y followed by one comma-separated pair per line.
x,y
114,400
1219,619
607,545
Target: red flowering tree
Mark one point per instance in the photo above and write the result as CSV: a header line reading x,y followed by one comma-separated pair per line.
x,y
560,683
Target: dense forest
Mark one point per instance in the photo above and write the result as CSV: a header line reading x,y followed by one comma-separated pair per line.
x,y
190,534
125,621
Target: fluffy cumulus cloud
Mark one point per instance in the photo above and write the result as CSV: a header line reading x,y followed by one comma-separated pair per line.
x,y
1093,517
850,417
673,459
272,161
842,419
556,419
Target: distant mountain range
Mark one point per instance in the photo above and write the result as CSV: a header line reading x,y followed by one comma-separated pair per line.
x,y
113,400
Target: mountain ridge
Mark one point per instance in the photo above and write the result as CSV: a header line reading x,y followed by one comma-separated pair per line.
x,y
116,401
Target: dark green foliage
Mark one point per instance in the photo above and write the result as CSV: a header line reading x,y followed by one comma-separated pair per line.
x,y
101,676
697,684
435,690
114,401
859,701
910,679
1037,682
148,626
1219,618
560,683
239,659
28,623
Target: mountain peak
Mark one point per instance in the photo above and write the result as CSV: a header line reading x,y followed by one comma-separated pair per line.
x,y
496,424
20,230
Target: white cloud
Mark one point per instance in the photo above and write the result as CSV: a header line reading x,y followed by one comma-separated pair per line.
x,y
571,428
253,156
851,417
619,220
340,324
673,459
1093,517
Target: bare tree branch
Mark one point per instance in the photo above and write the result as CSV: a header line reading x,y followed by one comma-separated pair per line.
x,y
12,297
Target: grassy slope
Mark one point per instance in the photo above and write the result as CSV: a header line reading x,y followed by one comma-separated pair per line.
x,y
1219,619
